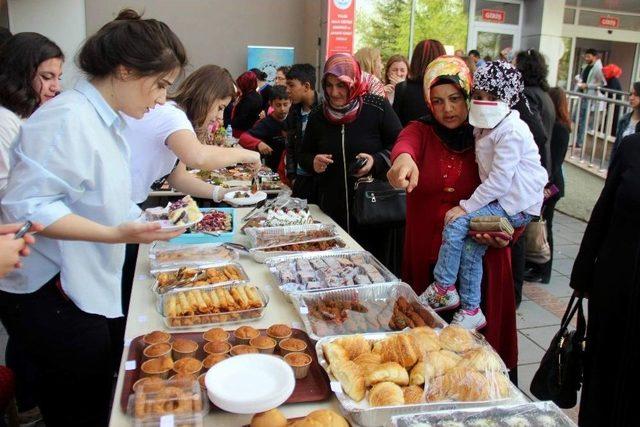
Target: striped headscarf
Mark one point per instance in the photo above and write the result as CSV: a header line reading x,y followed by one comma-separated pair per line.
x,y
346,69
449,69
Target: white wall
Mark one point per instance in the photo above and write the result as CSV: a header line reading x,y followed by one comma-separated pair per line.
x,y
63,21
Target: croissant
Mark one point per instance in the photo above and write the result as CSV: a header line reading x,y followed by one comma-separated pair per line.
x,y
426,339
499,384
400,348
458,339
439,362
334,354
466,385
386,394
351,379
389,371
416,377
481,359
367,361
412,394
355,345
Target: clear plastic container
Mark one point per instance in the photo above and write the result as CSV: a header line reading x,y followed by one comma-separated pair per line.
x,y
202,276
165,256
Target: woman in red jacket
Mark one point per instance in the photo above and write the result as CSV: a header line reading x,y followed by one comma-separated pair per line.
x,y
434,160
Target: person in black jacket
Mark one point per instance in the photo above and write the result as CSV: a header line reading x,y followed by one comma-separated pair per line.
x,y
247,111
264,89
408,101
301,81
349,124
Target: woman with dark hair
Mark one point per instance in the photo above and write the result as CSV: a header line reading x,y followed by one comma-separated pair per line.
x,y
395,72
30,72
71,174
408,101
264,89
248,108
630,122
350,124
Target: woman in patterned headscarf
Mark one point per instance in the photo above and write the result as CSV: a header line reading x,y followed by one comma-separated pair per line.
x,y
434,160
351,123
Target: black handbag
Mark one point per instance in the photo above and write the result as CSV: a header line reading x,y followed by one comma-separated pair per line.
x,y
376,202
559,376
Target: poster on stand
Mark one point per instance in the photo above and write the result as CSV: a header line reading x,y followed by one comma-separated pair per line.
x,y
340,26
269,58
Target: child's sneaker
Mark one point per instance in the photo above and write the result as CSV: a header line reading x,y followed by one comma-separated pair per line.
x,y
470,319
440,298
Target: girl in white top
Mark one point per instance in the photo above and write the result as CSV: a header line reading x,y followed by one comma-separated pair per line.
x,y
513,181
30,72
71,174
170,132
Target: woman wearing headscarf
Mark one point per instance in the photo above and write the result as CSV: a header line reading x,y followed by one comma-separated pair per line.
x,y
434,160
350,123
249,106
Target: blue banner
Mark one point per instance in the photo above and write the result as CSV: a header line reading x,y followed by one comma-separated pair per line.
x,y
269,58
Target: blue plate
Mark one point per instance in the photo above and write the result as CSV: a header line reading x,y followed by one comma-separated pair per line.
x,y
207,238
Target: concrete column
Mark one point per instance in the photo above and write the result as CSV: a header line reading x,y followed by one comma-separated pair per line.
x,y
63,21
542,30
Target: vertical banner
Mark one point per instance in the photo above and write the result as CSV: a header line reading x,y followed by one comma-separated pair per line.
x,y
340,26
269,58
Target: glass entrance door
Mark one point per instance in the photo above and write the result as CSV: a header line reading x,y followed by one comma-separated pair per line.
x,y
491,44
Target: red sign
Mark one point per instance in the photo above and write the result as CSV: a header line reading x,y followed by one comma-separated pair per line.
x,y
493,15
340,26
609,22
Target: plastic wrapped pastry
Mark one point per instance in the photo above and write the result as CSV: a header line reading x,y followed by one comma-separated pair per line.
x,y
458,339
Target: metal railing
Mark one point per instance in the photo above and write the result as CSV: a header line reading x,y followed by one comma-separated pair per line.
x,y
595,120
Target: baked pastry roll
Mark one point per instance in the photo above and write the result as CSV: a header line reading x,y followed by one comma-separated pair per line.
x,y
355,345
413,394
458,339
459,384
400,348
437,363
389,371
327,418
334,354
351,379
386,394
426,339
367,361
416,377
482,359
499,384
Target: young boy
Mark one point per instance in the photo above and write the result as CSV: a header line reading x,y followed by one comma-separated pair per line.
x,y
268,136
512,187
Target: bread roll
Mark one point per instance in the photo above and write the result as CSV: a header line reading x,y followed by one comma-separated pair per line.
x,y
482,359
426,339
351,379
458,339
271,418
367,361
413,394
439,362
386,394
355,345
327,418
390,371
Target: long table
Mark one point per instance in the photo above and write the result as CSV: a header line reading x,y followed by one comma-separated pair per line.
x,y
144,318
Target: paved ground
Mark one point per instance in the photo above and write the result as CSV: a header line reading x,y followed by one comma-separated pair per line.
x,y
541,309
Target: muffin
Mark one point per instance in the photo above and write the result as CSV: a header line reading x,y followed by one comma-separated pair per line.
x,y
264,344
212,359
300,362
156,337
184,348
279,332
183,378
239,349
244,334
148,384
158,367
187,365
216,334
217,347
203,387
162,349
290,345
271,418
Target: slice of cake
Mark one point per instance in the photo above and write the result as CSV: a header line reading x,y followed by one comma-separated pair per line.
x,y
184,211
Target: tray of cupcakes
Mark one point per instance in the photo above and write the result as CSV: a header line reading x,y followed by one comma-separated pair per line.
x,y
189,355
378,375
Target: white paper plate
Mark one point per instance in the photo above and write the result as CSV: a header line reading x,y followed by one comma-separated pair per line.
x,y
250,383
247,201
167,225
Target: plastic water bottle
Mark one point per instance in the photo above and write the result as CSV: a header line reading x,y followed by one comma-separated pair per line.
x,y
228,132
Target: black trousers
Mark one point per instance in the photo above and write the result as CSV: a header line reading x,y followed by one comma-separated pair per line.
x,y
71,351
305,187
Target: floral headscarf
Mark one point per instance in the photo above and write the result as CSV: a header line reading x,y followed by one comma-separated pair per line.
x,y
346,69
450,69
501,79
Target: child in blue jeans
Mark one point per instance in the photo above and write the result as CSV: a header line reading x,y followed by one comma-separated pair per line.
x,y
512,187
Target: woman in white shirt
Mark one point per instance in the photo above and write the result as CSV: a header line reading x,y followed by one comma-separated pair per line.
x,y
30,72
71,174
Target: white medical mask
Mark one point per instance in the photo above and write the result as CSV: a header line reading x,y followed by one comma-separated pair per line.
x,y
487,114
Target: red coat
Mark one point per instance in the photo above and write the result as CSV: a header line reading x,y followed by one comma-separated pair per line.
x,y
445,178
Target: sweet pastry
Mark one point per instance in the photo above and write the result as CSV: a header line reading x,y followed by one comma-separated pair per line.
x,y
458,339
212,359
334,354
400,348
217,347
263,344
184,348
386,394
157,350
300,362
459,384
158,367
413,394
183,378
481,359
439,362
416,376
237,350
367,361
169,399
201,382
148,384
216,334
389,371
190,277
271,418
184,211
426,339
244,334
351,379
279,332
499,384
187,365
327,418
288,345
355,345
156,337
